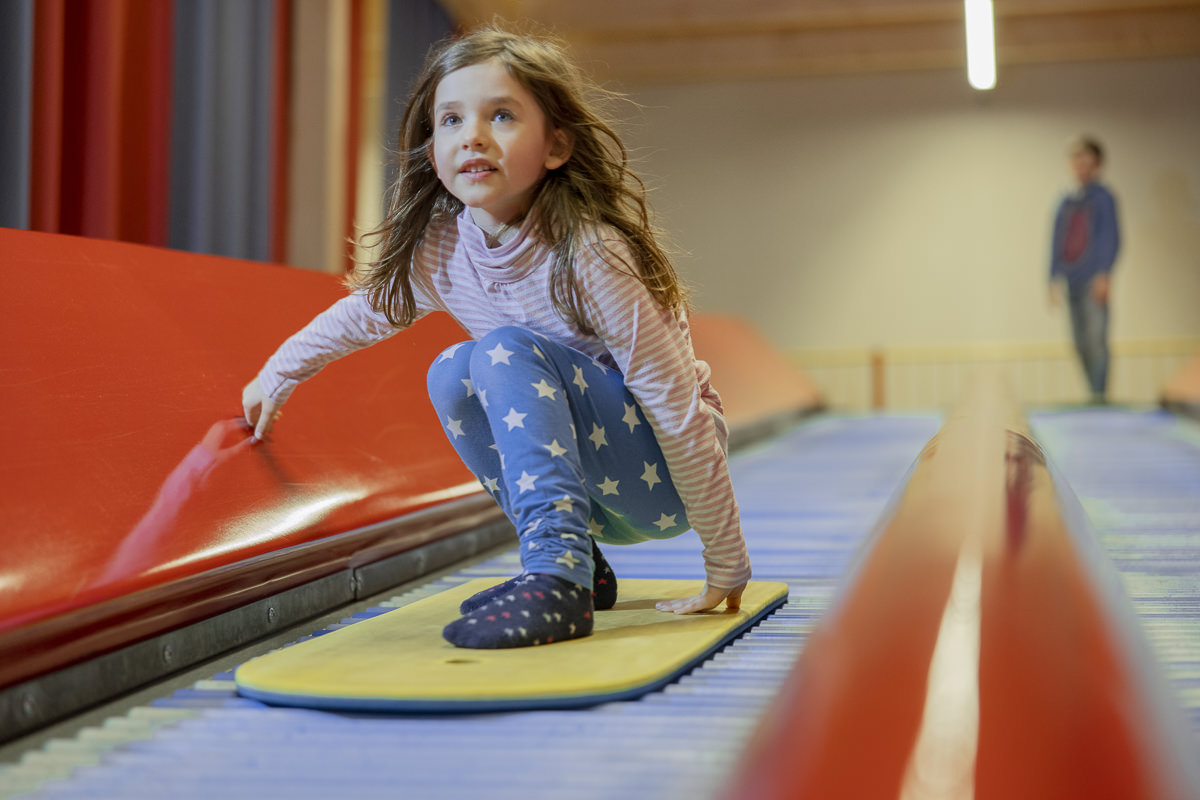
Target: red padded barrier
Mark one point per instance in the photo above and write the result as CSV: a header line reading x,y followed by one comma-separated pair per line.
x,y
1183,389
125,471
755,380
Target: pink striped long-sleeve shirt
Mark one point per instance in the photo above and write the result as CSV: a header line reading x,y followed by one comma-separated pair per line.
x,y
483,289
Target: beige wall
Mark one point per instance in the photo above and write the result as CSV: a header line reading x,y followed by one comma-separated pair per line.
x,y
906,209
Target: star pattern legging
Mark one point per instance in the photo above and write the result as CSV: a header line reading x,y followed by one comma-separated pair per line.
x,y
560,443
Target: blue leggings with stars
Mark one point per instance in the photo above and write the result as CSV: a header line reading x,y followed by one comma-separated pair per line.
x,y
560,443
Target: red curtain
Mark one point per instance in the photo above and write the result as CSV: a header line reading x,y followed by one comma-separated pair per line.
x,y
101,118
281,24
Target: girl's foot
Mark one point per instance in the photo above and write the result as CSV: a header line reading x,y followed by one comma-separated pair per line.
x,y
604,587
539,609
604,581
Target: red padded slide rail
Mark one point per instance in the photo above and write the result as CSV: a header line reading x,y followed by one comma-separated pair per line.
x,y
974,652
133,501
1182,391
755,380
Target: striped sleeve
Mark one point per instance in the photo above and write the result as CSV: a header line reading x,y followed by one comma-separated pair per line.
x,y
348,325
654,353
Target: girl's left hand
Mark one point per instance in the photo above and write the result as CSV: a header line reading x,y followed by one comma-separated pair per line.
x,y
710,598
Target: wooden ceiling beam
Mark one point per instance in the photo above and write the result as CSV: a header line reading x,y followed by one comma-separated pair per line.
x,y
1100,36
642,18
1040,39
660,40
472,13
772,54
621,18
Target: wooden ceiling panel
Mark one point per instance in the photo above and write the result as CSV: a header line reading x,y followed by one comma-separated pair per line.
x,y
771,54
1119,34
635,41
621,18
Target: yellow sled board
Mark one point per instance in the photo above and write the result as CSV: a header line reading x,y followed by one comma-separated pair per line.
x,y
398,661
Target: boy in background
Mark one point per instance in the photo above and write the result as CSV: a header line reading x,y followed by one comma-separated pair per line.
x,y
1086,240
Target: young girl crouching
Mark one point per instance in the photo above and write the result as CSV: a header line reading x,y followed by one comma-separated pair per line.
x,y
578,402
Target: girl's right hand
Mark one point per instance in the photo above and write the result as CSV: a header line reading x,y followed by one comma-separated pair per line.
x,y
709,598
260,410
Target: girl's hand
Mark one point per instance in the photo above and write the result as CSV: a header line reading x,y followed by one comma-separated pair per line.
x,y
711,597
260,410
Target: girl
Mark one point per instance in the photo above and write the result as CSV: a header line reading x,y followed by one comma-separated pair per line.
x,y
578,403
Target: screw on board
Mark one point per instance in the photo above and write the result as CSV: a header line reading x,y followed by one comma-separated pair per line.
x,y
29,705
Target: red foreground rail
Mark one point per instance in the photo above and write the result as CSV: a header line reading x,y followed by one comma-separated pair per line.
x,y
972,654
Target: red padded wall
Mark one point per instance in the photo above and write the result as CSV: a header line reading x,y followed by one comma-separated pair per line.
x,y
125,467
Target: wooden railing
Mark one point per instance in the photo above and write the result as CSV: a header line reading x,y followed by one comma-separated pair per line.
x,y
932,377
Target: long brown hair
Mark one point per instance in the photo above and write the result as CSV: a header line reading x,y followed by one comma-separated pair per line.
x,y
594,188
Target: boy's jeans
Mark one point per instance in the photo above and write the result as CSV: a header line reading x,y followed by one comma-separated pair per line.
x,y
1089,325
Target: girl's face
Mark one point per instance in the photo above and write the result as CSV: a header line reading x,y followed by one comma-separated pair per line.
x,y
491,142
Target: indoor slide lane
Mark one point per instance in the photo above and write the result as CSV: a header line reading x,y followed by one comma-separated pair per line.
x,y
810,498
1137,476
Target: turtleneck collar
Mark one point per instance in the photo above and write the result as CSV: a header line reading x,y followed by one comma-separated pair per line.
x,y
505,263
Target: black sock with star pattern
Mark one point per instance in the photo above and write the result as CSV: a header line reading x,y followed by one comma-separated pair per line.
x,y
540,609
604,587
604,581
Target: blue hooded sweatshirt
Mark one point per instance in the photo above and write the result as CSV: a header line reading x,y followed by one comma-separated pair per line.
x,y
1086,238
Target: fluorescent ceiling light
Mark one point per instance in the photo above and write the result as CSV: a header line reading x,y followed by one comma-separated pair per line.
x,y
981,44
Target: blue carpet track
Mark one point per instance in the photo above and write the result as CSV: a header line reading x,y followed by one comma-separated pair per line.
x,y
810,499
